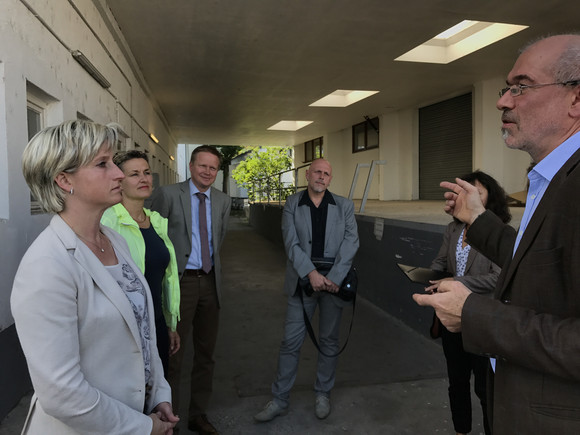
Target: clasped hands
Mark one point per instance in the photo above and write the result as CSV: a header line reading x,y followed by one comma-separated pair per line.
x,y
321,283
163,419
448,296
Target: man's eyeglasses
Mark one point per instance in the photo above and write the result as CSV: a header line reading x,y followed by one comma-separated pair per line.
x,y
516,90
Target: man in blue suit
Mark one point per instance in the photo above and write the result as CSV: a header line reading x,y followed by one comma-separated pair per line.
x,y
315,224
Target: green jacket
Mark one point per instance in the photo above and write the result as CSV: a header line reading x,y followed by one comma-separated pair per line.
x,y
118,218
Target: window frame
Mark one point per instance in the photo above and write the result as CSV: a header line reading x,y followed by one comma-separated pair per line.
x,y
37,105
313,149
368,125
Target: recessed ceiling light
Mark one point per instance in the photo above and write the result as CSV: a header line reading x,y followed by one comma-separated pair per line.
x,y
342,98
290,125
460,40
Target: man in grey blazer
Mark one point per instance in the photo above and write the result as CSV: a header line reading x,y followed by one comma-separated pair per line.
x,y
197,249
315,223
532,326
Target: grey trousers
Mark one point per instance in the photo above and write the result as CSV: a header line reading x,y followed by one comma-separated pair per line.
x,y
294,334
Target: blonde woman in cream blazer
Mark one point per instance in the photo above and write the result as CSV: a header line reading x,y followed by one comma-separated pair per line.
x,y
82,308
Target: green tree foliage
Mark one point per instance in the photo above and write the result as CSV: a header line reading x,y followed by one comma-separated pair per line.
x,y
258,172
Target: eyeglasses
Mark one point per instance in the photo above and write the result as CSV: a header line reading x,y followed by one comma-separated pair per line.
x,y
516,90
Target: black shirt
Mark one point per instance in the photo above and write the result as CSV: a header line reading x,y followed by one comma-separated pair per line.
x,y
156,261
318,216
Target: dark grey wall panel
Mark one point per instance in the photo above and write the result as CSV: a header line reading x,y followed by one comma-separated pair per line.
x,y
14,378
267,221
380,280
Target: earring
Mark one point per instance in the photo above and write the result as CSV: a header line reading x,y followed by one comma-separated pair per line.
x,y
71,191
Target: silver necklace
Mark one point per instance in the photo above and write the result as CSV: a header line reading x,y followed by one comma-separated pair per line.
x,y
92,243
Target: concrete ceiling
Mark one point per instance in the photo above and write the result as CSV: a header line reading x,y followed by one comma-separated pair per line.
x,y
223,71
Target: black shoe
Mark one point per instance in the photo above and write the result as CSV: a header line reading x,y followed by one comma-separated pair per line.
x,y
201,425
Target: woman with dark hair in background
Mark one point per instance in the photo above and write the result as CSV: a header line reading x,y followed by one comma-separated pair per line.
x,y
146,234
480,275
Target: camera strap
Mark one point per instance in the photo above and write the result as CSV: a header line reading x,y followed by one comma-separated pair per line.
x,y
311,331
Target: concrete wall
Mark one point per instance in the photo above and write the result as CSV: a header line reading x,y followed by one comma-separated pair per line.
x,y
383,244
36,39
267,221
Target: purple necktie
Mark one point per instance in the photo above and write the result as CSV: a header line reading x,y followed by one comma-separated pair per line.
x,y
203,236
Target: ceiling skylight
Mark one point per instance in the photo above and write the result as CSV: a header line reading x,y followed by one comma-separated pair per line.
x,y
342,98
290,125
460,40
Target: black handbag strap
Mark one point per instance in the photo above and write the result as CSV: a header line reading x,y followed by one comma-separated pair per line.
x,y
311,331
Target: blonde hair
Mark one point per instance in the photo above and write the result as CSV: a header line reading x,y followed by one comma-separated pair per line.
x,y
62,148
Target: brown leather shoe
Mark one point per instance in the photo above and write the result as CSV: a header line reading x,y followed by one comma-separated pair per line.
x,y
201,425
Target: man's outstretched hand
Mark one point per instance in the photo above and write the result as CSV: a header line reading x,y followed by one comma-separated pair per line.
x,y
462,201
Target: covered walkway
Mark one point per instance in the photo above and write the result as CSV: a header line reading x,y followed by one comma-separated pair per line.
x,y
390,379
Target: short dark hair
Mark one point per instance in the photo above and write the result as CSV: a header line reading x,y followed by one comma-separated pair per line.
x,y
496,196
121,157
206,149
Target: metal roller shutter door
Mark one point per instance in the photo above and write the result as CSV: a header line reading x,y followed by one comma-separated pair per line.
x,y
445,144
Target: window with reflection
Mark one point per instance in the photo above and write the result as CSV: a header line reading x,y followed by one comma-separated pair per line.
x,y
313,149
365,135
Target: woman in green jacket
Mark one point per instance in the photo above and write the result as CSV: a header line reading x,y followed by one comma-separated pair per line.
x,y
146,234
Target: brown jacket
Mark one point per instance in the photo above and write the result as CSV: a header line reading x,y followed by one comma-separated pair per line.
x,y
533,324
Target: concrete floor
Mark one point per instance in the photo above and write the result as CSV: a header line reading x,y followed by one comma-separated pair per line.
x,y
390,379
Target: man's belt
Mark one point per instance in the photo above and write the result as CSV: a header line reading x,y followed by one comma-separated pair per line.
x,y
196,272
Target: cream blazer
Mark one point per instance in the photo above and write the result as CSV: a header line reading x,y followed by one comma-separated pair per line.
x,y
81,340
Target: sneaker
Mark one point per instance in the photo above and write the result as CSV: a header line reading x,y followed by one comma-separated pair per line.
x,y
270,412
322,408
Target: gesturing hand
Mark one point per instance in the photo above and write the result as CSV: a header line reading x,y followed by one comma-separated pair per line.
x,y
463,202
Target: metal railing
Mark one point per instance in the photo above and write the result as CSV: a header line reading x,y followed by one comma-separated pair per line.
x,y
277,191
272,188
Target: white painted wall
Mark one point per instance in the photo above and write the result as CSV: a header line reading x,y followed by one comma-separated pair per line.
x,y
398,179
35,49
399,149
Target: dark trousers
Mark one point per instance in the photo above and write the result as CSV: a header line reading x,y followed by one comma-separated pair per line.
x,y
460,365
162,335
199,317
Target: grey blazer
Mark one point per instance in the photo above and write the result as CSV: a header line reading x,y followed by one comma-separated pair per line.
x,y
340,240
81,340
480,275
174,203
